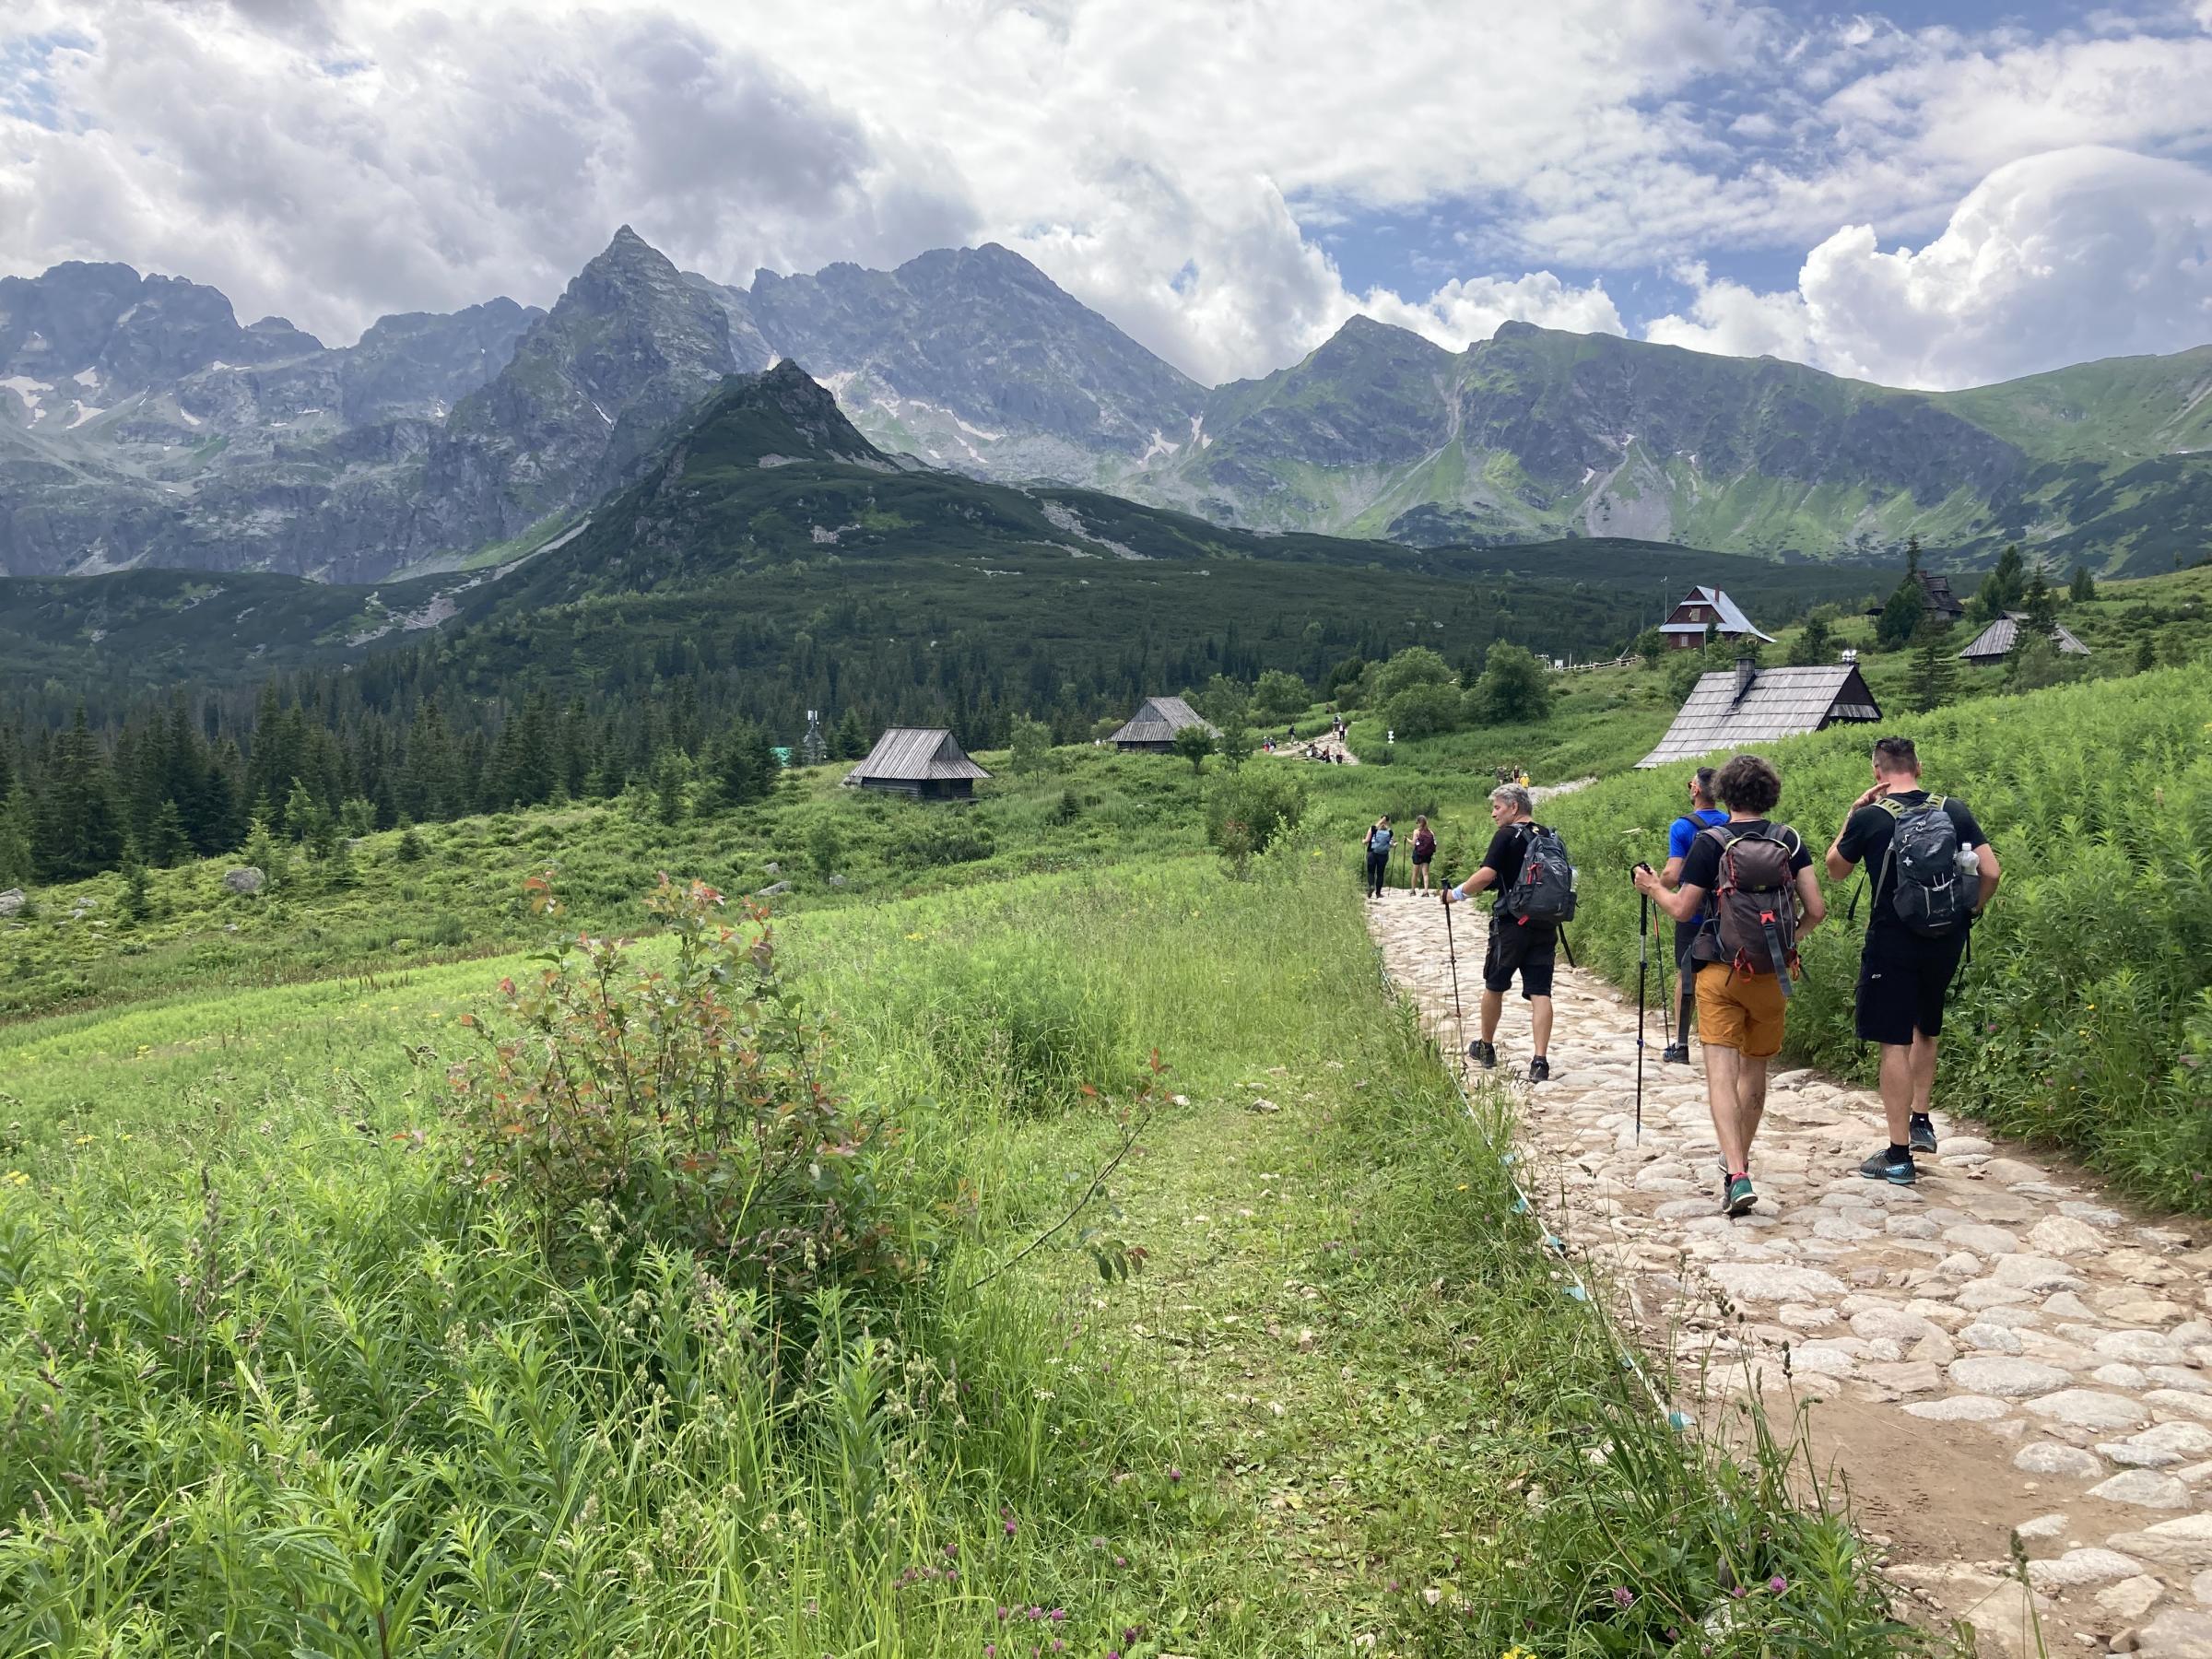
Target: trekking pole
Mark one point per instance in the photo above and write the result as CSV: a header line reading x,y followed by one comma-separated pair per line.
x,y
1667,1006
1643,962
1458,1017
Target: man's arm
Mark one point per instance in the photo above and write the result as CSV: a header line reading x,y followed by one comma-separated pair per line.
x,y
1483,876
1840,862
1985,863
1812,902
1683,903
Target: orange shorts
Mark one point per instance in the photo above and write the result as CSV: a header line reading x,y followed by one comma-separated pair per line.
x,y
1742,1011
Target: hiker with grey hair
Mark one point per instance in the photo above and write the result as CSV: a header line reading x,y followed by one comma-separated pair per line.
x,y
1520,943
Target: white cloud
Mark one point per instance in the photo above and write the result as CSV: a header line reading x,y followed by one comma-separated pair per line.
x,y
1469,309
2058,258
1169,161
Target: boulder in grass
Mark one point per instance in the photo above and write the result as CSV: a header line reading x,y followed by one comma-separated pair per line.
x,y
773,890
244,879
12,902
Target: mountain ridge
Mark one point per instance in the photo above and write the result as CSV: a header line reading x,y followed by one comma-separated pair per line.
x,y
140,423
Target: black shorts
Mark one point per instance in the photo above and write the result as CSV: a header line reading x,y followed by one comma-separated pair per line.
x,y
1524,950
1902,983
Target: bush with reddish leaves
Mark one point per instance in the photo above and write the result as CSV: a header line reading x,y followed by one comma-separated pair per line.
x,y
686,1103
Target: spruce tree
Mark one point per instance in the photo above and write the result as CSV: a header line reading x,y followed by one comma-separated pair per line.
x,y
2001,589
2042,606
2083,588
852,739
15,837
138,897
1934,680
1902,617
1815,646
77,831
169,844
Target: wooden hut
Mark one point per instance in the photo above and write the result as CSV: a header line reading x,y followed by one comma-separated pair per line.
x,y
1153,728
2001,637
921,761
1684,628
1940,605
1737,708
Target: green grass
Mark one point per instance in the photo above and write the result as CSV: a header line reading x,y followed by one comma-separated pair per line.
x,y
292,1385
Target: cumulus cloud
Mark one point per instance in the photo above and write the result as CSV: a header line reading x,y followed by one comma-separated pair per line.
x,y
2073,255
1469,309
1170,162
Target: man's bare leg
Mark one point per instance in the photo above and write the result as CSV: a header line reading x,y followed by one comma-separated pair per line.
x,y
1897,1079
1723,1066
1539,1022
1493,1004
1923,1071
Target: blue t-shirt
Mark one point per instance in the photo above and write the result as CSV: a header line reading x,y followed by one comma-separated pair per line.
x,y
1684,830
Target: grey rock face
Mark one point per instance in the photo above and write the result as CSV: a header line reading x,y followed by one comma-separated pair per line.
x,y
246,880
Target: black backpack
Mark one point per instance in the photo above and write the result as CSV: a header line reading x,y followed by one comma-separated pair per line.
x,y
1929,891
1752,924
1543,891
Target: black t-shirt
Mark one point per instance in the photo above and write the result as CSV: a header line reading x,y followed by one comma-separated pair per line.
x,y
1865,841
1504,855
1701,863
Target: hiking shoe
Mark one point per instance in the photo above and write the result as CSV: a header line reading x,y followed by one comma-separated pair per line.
x,y
1737,1196
1539,1070
1484,1054
1924,1133
1882,1166
1674,1054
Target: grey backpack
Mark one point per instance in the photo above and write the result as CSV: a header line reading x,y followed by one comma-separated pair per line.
x,y
1929,890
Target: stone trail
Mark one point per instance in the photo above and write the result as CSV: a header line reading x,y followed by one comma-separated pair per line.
x,y
2001,1347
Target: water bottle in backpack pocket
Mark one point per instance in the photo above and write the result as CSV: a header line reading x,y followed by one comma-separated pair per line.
x,y
1752,924
1928,871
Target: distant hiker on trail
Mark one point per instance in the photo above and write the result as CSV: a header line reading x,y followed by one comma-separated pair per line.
x,y
1935,871
1424,850
1702,814
1378,838
1750,885
1527,864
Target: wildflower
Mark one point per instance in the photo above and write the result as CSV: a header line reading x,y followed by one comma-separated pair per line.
x,y
952,1549
1002,1614
991,1648
1737,1592
1623,1596
1174,1475
1778,1584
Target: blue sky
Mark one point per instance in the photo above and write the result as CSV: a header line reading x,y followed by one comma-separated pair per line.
x,y
1920,192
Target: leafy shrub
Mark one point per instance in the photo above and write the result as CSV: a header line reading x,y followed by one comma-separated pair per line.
x,y
1515,688
1414,665
1247,811
1423,711
687,1105
943,841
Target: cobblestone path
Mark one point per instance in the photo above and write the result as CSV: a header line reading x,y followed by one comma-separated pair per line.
x,y
2001,1348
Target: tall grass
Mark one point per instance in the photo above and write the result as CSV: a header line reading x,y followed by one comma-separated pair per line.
x,y
279,1386
2086,1016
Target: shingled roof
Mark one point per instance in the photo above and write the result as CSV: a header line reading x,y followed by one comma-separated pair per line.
x,y
1157,719
916,754
1729,619
1724,713
1999,638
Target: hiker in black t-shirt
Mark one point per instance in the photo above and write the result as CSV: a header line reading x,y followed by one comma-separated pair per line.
x,y
1517,946
1906,964
1743,1002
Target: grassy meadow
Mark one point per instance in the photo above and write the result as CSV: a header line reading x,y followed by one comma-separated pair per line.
x,y
287,1381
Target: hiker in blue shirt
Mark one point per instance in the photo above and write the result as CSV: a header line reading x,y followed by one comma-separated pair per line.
x,y
1702,814
1379,840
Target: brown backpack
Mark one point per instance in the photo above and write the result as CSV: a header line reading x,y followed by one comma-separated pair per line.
x,y
1751,917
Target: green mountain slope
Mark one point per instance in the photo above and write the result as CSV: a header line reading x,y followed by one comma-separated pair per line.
x,y
1537,433
769,534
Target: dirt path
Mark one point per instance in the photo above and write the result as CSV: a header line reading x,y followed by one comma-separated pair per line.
x,y
2000,1348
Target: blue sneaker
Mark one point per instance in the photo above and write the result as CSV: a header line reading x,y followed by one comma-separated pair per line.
x,y
1740,1199
1923,1132
1884,1166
